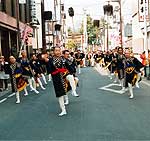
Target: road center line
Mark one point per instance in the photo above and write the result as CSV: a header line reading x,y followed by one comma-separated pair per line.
x,y
1,101
11,95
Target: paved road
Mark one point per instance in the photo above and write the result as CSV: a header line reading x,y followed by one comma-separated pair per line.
x,y
97,115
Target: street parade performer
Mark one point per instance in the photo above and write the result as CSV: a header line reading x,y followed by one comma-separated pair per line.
x,y
120,66
71,75
37,69
79,60
27,71
99,58
18,82
132,67
58,72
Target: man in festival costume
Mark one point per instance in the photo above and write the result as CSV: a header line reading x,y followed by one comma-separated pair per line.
x,y
73,80
79,59
99,58
47,69
72,59
114,64
57,70
27,71
108,61
42,66
37,69
18,82
132,67
120,67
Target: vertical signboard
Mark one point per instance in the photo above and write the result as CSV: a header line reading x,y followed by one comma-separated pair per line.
x,y
143,9
33,12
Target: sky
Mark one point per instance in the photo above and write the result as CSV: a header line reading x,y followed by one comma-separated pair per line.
x,y
93,7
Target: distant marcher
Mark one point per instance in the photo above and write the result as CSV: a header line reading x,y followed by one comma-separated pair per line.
x,y
143,57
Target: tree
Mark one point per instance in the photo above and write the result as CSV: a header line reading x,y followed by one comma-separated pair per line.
x,y
91,30
70,31
71,45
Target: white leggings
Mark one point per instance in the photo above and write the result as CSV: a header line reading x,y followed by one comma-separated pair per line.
x,y
71,80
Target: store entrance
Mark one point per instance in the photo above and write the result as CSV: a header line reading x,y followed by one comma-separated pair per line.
x,y
5,44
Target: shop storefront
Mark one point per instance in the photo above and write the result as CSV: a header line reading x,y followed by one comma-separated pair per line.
x,y
8,35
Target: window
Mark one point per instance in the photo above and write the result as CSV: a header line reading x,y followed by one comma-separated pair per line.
x,y
3,5
12,8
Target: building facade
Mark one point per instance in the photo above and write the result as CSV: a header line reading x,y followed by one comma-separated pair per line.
x,y
138,30
11,13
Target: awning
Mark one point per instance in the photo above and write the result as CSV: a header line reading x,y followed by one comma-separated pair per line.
x,y
7,27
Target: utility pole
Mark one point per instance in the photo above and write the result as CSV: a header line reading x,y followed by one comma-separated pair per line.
x,y
18,27
145,29
85,31
107,41
121,36
55,19
43,28
55,14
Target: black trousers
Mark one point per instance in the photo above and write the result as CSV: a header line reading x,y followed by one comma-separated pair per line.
x,y
145,72
5,82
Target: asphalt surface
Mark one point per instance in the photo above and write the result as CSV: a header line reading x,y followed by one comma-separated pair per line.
x,y
97,115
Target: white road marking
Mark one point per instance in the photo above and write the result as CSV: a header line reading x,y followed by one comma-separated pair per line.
x,y
11,95
1,101
146,83
104,72
106,88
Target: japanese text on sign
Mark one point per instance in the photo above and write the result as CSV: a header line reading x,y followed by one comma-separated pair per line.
x,y
143,10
